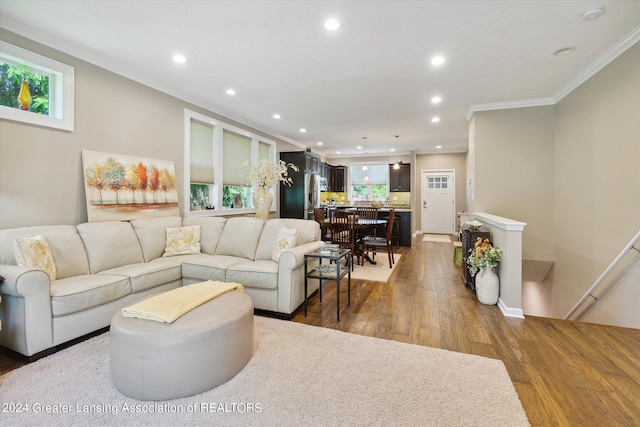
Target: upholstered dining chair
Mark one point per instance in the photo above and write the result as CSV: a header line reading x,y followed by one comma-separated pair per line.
x,y
374,242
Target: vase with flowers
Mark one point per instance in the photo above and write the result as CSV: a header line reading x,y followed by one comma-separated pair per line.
x,y
264,175
483,259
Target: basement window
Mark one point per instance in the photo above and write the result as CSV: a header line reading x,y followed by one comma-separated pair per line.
x,y
35,89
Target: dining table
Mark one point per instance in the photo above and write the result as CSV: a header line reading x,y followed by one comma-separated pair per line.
x,y
357,226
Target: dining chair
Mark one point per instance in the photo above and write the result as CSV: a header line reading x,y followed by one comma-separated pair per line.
x,y
341,227
368,213
318,216
375,242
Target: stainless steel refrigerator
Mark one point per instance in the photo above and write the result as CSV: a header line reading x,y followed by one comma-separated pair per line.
x,y
299,200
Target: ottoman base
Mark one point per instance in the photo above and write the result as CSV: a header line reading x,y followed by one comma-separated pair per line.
x,y
199,351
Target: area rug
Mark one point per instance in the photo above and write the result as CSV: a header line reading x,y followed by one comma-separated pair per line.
x,y
436,238
380,272
299,375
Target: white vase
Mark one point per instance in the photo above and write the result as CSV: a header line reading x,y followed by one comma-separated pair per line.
x,y
487,286
262,202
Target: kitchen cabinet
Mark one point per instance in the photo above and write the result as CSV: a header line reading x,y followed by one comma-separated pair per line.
x,y
400,179
337,175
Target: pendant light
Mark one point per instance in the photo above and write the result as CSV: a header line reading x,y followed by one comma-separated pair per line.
x,y
364,165
364,146
396,165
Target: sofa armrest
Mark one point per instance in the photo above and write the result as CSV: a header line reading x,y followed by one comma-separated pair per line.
x,y
291,276
23,281
294,258
25,310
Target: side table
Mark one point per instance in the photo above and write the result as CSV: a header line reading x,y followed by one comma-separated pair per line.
x,y
333,256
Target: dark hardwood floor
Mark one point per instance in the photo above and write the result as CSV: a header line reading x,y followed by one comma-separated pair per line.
x,y
566,373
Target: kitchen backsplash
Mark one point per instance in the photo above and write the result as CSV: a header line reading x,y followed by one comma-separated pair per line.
x,y
341,199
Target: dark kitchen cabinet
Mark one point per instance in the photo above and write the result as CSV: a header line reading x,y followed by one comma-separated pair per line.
x,y
400,179
337,175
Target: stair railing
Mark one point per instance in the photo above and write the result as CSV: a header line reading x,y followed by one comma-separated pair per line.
x,y
629,247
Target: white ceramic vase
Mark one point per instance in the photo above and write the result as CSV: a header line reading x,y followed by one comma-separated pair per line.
x,y
262,202
487,286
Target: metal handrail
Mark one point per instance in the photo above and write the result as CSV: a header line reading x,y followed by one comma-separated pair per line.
x,y
605,273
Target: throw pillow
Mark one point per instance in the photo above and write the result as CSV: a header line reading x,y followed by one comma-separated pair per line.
x,y
286,240
182,241
35,252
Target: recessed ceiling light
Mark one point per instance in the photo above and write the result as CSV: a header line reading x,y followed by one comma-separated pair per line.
x,y
564,51
393,149
303,130
331,24
337,152
319,143
435,120
592,14
438,146
231,92
179,59
437,60
359,147
276,116
436,100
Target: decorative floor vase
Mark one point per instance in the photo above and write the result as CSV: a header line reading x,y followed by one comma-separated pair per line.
x,y
262,202
487,286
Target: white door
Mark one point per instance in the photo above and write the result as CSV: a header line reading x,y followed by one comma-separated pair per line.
x,y
438,207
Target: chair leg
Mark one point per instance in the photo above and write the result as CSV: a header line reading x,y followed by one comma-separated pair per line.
x,y
390,253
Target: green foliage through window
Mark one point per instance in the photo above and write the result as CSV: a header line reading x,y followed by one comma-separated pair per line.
x,y
235,196
11,78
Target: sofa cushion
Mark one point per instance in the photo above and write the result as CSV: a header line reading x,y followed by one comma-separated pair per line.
x,y
147,275
286,240
210,230
35,252
308,231
110,244
182,241
82,292
64,241
240,237
151,234
206,267
255,274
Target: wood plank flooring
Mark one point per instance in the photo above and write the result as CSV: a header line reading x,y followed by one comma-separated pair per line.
x,y
566,373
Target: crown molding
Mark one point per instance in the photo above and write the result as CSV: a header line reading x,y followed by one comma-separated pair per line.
x,y
612,53
86,55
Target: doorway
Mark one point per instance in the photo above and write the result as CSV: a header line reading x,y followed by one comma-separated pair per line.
x,y
438,207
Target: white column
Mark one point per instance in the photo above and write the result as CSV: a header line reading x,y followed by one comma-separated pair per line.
x,y
506,234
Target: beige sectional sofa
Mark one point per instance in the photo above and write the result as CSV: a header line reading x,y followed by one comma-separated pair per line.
x,y
102,267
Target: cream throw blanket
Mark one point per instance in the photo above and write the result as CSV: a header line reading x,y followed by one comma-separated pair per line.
x,y
170,305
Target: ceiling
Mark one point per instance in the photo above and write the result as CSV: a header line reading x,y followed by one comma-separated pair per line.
x,y
372,77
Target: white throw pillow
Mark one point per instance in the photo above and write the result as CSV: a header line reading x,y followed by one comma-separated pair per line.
x,y
35,252
286,240
182,241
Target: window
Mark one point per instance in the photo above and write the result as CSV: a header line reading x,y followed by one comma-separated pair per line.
x,y
44,86
217,162
370,184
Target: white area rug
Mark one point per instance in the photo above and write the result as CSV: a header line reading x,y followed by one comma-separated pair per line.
x,y
299,376
376,273
437,238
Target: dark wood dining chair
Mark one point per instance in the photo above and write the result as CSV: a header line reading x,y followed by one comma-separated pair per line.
x,y
340,224
325,232
374,242
368,213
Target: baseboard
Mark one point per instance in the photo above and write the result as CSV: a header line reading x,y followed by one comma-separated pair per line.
x,y
510,311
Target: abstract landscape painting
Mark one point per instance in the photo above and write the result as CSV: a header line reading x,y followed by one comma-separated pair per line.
x,y
120,187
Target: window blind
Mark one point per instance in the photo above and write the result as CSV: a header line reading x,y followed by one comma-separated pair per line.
x,y
377,175
201,165
236,155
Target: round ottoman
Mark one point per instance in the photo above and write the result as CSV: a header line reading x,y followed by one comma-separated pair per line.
x,y
199,351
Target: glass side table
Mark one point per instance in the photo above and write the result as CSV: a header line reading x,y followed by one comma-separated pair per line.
x,y
332,270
